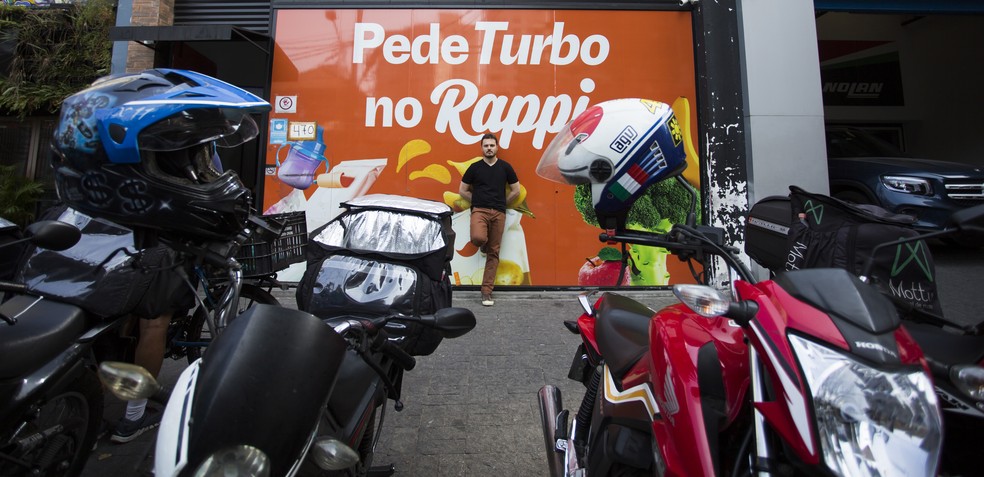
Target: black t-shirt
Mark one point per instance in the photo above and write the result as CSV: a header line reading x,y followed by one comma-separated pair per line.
x,y
489,183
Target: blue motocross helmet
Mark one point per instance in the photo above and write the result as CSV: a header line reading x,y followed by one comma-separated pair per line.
x,y
137,149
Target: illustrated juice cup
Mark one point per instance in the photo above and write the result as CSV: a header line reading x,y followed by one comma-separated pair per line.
x,y
303,159
514,260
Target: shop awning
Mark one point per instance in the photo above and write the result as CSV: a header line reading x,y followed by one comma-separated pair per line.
x,y
901,6
152,34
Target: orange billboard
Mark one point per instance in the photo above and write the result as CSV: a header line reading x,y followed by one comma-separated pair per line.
x,y
396,102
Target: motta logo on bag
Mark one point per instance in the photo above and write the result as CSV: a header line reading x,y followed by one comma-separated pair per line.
x,y
909,253
816,210
916,292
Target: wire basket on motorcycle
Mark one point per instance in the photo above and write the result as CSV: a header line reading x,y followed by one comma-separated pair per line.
x,y
280,241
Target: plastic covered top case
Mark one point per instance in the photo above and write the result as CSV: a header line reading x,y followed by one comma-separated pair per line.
x,y
408,229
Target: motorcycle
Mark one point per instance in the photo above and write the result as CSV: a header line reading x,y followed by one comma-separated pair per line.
x,y
62,318
240,408
953,351
363,291
51,402
810,373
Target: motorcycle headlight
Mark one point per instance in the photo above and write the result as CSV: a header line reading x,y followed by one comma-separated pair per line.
x,y
238,461
871,422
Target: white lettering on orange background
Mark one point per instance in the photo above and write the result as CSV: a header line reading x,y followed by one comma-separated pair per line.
x,y
430,48
531,47
468,115
397,49
519,114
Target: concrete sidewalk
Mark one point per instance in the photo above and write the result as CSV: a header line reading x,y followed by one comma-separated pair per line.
x,y
470,407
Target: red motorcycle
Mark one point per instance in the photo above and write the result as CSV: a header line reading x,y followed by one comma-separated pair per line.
x,y
807,374
884,250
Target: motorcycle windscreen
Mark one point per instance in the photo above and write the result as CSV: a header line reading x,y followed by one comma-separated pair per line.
x,y
264,382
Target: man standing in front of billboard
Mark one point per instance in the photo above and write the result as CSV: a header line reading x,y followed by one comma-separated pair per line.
x,y
485,185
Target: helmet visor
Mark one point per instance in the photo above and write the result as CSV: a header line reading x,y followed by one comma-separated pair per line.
x,y
566,160
226,127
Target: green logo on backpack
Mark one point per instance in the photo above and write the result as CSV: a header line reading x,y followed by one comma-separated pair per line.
x,y
815,210
917,254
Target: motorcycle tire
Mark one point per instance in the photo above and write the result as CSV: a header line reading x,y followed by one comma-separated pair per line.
x,y
78,409
198,332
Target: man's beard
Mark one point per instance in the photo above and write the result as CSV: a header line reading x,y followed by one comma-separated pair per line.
x,y
489,154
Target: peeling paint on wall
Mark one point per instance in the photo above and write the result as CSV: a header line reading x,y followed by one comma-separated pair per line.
x,y
727,195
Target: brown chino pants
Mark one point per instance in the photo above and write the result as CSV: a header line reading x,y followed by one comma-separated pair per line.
x,y
487,226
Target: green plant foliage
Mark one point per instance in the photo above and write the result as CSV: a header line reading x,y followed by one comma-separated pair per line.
x,y
18,196
57,52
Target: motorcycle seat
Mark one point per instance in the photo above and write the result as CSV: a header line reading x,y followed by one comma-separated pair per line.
x,y
622,330
946,347
44,329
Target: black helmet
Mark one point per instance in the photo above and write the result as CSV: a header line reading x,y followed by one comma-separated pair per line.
x,y
138,149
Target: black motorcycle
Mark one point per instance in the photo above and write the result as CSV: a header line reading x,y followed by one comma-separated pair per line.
x,y
292,393
51,402
281,393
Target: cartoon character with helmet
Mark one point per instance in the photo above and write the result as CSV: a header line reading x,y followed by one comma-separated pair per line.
x,y
620,147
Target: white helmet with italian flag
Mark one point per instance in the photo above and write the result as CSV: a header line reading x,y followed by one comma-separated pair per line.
x,y
620,147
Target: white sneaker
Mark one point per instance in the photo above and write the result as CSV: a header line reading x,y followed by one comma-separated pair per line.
x,y
487,300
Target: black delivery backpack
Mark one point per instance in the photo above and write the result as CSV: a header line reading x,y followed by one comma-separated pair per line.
x,y
827,232
383,254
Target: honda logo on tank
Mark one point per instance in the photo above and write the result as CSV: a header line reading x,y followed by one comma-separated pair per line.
x,y
401,98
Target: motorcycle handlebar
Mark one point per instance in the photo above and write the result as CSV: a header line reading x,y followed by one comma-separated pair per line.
x,y
686,242
13,287
380,342
383,345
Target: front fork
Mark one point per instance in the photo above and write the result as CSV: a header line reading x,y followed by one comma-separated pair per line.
x,y
760,460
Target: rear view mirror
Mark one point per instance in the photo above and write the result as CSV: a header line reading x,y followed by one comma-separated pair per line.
x,y
53,235
450,322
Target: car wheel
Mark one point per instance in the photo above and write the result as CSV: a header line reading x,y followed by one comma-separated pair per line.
x,y
852,196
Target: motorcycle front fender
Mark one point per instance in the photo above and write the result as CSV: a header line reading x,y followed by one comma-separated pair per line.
x,y
263,383
171,454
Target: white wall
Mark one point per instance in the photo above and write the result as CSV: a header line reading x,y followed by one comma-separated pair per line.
x,y
784,110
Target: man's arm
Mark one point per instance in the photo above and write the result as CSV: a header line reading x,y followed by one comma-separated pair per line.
x,y
465,190
513,192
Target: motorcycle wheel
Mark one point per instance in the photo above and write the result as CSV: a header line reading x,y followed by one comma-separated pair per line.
x,y
197,331
78,409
